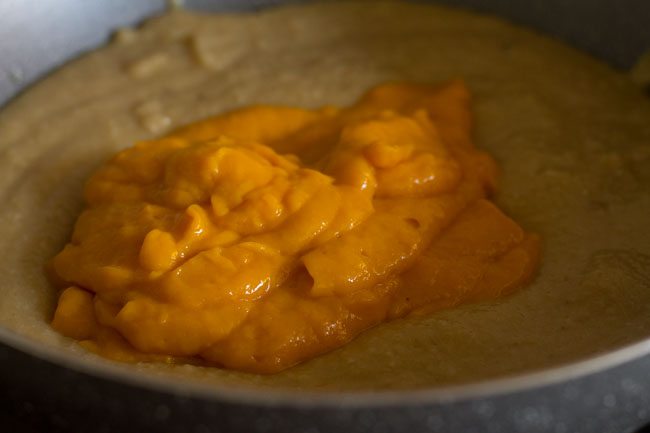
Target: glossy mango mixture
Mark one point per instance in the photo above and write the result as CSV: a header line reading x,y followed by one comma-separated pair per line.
x,y
266,236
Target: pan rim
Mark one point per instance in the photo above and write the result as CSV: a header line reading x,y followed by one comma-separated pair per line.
x,y
120,374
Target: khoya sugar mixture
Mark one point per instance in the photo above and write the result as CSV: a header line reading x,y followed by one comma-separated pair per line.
x,y
368,200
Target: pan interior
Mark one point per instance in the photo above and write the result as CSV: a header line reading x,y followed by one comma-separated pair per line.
x,y
572,138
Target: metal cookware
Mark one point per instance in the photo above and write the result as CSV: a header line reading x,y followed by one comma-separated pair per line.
x,y
43,390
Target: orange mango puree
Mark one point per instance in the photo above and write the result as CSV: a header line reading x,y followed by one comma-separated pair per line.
x,y
266,236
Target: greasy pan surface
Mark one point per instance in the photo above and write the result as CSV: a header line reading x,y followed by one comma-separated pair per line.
x,y
630,331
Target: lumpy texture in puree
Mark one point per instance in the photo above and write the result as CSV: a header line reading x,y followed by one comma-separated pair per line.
x,y
265,236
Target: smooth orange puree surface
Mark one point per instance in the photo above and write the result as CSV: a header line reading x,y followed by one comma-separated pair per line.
x,y
263,237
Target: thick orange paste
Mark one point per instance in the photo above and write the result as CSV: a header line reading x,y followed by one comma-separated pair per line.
x,y
263,237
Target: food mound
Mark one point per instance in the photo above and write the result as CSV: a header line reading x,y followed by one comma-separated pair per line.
x,y
263,237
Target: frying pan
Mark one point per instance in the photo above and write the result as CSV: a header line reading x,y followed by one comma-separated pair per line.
x,y
47,389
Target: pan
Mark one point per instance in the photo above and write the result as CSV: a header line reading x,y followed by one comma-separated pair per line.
x,y
50,387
